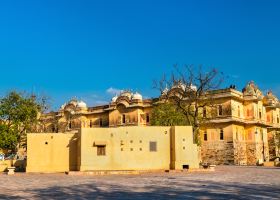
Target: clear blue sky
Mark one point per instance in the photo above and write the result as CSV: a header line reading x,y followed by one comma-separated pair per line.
x,y
81,48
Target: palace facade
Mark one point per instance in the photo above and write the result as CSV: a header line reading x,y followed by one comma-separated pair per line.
x,y
239,133
127,109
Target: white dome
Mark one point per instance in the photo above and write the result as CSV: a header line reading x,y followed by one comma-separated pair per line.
x,y
73,102
165,91
180,86
81,104
193,87
137,96
114,99
184,87
62,107
126,94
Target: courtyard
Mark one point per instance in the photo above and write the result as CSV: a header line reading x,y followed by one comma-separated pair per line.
x,y
227,182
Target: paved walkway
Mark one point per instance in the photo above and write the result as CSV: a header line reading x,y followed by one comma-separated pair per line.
x,y
228,182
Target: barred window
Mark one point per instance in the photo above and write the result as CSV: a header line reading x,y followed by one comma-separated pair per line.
x,y
101,150
153,146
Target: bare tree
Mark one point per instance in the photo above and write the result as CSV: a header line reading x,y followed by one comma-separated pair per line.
x,y
190,90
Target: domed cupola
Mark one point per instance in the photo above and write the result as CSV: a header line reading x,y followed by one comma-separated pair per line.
x,y
165,91
73,102
270,99
137,96
126,93
179,85
252,90
114,99
184,87
193,87
63,106
81,105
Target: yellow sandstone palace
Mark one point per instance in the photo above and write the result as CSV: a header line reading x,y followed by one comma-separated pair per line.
x,y
239,133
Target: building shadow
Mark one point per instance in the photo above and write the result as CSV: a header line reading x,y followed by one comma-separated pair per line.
x,y
168,188
73,152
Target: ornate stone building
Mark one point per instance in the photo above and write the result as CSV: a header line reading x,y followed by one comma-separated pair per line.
x,y
238,133
127,109
244,125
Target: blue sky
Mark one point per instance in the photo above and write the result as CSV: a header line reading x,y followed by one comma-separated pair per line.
x,y
81,48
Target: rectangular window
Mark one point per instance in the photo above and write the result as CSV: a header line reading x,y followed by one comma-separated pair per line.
x,y
221,134
205,136
239,111
100,122
153,146
220,110
123,119
101,150
261,136
147,118
204,112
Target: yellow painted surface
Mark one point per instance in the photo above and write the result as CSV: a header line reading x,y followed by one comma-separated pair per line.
x,y
186,152
4,164
51,152
126,148
213,132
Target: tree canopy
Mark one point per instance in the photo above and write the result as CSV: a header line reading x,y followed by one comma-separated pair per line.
x,y
166,114
18,115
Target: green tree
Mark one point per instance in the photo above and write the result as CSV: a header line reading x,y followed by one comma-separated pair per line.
x,y
166,114
18,115
8,138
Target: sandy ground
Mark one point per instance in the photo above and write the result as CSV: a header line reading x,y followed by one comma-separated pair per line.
x,y
227,182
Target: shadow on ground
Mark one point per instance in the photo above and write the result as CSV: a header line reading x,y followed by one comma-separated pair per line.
x,y
166,189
